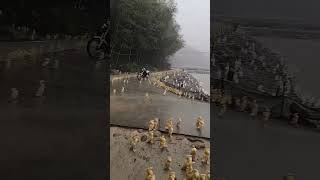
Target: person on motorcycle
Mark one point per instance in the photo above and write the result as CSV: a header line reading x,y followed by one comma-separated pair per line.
x,y
145,72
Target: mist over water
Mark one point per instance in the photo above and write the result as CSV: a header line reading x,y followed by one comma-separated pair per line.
x,y
195,56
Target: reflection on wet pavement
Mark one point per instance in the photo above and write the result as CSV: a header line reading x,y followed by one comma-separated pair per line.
x,y
59,133
131,109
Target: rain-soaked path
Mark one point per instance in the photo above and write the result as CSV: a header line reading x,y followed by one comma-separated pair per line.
x,y
244,149
130,109
58,136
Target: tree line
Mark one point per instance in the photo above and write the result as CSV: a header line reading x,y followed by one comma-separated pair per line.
x,y
147,27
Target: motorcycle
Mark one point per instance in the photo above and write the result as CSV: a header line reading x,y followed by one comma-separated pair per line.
x,y
98,45
143,75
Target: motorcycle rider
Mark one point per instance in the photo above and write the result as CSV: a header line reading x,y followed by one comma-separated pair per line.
x,y
145,72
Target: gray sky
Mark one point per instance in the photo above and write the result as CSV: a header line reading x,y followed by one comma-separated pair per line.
x,y
193,16
307,10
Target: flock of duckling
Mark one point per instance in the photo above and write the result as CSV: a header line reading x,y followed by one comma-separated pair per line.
x,y
153,126
240,104
14,94
190,172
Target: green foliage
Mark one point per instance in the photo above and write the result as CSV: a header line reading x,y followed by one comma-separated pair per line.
x,y
146,25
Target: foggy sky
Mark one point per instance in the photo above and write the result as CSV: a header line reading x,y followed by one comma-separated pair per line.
x,y
193,16
307,10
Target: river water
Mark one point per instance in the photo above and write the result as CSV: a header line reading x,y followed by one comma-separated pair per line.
x,y
303,59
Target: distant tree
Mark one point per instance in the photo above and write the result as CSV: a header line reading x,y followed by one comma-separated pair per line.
x,y
146,26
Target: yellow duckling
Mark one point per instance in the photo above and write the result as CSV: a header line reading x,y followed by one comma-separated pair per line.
x,y
196,174
172,176
189,173
200,122
134,140
188,162
208,175
206,156
167,163
163,143
203,177
151,137
150,174
169,123
151,125
193,153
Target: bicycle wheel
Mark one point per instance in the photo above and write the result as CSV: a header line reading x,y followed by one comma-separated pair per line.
x,y
94,50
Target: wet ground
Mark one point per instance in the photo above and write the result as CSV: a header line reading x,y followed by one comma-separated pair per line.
x,y
130,108
129,165
58,136
244,149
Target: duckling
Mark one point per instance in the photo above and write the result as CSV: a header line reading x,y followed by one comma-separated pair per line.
x,y
266,115
167,163
208,175
41,89
156,123
203,177
193,153
165,92
151,125
147,98
196,174
199,123
254,109
169,123
179,123
150,174
150,137
206,156
189,173
134,140
172,176
163,143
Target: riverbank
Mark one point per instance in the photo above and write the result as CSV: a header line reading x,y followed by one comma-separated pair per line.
x,y
127,164
176,81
